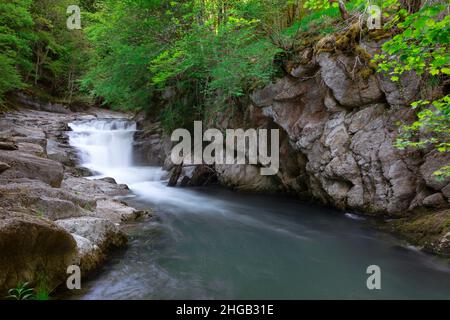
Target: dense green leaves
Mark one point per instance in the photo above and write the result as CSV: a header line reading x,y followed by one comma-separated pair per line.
x,y
422,46
15,33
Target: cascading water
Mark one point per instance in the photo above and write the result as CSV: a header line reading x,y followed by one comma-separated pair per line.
x,y
214,243
106,148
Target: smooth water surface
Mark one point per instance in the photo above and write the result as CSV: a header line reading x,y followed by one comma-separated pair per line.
x,y
212,243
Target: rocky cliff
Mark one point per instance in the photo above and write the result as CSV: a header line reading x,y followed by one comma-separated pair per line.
x,y
340,126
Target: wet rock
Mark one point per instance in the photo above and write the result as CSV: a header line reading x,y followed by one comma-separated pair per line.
x,y
429,231
57,153
175,176
246,178
109,180
89,257
101,232
32,148
117,211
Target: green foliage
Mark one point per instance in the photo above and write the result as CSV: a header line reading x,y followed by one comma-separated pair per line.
x,y
21,292
42,292
432,127
15,32
422,45
37,49
208,52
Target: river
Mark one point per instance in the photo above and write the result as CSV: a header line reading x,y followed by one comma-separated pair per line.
x,y
213,243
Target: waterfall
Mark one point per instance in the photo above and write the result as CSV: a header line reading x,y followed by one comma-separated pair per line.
x,y
104,144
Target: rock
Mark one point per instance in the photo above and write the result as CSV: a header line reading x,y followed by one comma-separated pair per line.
x,y
32,148
57,153
38,104
101,232
89,255
199,175
25,165
4,167
108,180
175,176
444,245
445,190
433,162
8,145
40,199
117,211
304,70
336,73
245,178
435,201
97,189
429,231
404,91
32,248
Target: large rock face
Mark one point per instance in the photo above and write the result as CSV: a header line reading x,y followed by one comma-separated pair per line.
x,y
339,130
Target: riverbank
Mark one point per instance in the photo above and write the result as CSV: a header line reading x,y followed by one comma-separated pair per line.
x,y
51,215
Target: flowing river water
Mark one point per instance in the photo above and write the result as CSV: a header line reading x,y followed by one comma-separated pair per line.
x,y
212,243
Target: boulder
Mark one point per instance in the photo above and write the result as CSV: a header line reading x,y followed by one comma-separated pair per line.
x,y
4,167
32,250
97,189
433,162
42,200
57,153
24,165
404,91
101,232
89,256
117,211
8,145
350,91
436,200
246,178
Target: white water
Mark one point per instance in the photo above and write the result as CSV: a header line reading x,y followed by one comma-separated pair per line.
x,y
106,148
213,243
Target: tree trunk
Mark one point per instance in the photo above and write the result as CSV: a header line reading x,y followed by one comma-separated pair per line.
x,y
342,9
411,5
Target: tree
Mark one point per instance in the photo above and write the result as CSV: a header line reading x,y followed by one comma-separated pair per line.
x,y
15,36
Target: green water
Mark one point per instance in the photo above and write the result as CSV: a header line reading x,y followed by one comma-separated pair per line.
x,y
216,244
